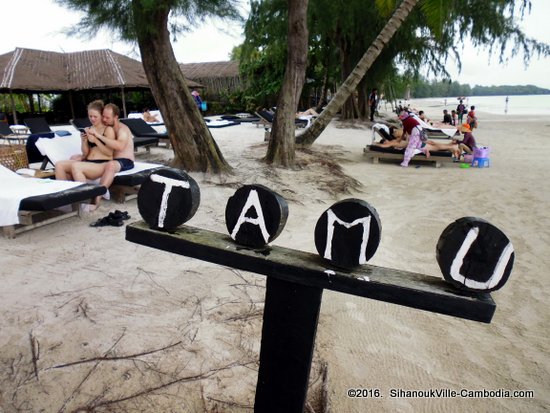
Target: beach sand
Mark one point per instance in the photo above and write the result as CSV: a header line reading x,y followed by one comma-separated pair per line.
x,y
91,321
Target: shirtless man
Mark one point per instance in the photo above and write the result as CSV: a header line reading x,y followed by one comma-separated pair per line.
x,y
123,146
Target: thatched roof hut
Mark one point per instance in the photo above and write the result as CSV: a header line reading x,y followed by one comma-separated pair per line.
x,y
38,71
216,77
28,70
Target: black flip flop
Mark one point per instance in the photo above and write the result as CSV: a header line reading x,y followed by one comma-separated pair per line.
x,y
108,220
120,215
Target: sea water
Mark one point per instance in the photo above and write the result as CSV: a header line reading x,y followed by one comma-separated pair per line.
x,y
516,105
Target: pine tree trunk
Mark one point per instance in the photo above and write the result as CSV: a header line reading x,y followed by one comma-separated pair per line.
x,y
193,144
347,88
282,143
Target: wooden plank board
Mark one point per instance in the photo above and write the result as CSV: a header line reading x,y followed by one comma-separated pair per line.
x,y
390,285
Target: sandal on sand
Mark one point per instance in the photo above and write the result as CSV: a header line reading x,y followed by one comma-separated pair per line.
x,y
108,220
121,214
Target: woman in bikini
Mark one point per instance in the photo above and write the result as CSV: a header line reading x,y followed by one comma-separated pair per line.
x,y
87,166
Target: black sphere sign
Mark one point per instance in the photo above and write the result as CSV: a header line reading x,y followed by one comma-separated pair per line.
x,y
255,215
348,233
168,198
475,255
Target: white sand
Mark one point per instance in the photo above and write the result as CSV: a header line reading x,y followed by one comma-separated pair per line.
x,y
81,293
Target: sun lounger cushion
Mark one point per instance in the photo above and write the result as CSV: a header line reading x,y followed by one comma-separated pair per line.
x,y
46,202
240,118
16,188
221,123
59,148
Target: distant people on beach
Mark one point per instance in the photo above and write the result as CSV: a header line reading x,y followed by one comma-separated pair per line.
x,y
373,103
308,112
422,116
468,142
447,119
454,118
416,140
197,97
506,104
472,118
461,111
392,139
149,117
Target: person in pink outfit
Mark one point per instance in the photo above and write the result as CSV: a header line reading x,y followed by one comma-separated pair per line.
x,y
413,130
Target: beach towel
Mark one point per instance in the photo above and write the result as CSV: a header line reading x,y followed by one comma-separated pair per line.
x,y
425,125
14,188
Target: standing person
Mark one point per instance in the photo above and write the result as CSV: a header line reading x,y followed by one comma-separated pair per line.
x,y
94,153
506,105
197,97
472,118
373,102
454,118
460,110
413,131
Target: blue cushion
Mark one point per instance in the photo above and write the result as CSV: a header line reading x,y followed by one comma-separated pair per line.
x,y
62,133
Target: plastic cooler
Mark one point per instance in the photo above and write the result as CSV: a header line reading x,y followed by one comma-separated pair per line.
x,y
481,157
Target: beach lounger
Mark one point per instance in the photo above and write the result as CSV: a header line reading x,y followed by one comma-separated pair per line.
x,y
437,133
156,113
125,185
223,123
376,153
141,129
5,130
27,203
38,125
8,136
267,118
241,118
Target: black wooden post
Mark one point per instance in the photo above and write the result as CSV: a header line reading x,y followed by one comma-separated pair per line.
x,y
288,338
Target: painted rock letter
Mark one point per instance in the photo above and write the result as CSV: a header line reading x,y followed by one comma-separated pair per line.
x,y
168,198
348,233
475,255
255,215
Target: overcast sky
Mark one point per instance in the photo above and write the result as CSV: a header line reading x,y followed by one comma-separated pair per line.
x,y
39,24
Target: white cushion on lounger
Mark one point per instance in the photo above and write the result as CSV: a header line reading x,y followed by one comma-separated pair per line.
x,y
60,148
14,188
425,125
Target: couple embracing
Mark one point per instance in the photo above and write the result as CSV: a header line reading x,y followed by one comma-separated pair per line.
x,y
107,148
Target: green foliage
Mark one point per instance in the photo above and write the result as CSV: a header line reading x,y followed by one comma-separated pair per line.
x,y
422,88
130,18
509,90
342,31
263,53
